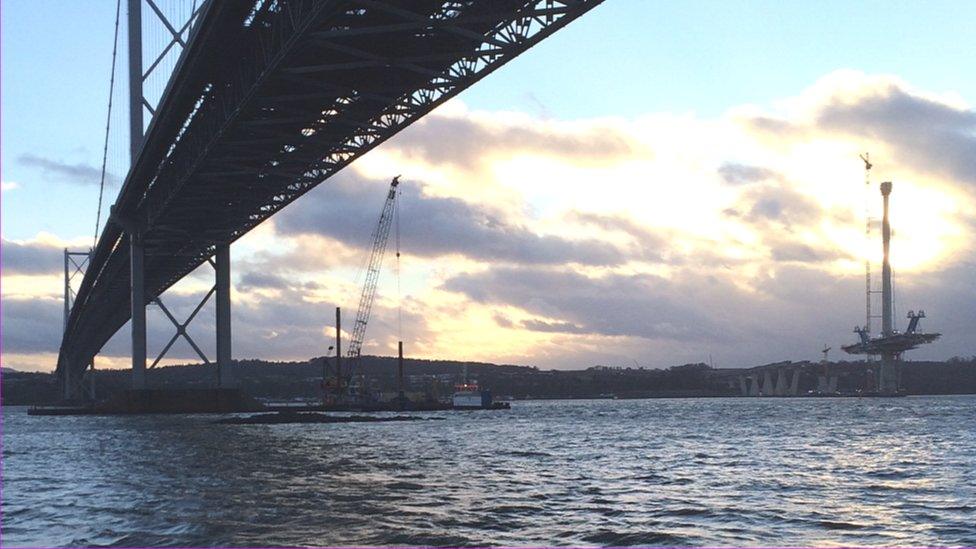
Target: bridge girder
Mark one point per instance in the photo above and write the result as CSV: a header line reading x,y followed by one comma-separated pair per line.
x,y
268,100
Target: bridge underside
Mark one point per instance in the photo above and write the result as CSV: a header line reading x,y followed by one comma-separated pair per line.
x,y
269,99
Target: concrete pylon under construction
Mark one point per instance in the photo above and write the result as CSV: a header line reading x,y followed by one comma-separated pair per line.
x,y
886,313
888,373
890,344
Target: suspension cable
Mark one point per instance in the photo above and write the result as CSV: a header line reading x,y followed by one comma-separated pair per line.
x,y
108,122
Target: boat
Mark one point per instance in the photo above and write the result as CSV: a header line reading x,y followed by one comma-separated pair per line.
x,y
468,396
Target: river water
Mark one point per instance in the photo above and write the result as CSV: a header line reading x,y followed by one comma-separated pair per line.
x,y
644,472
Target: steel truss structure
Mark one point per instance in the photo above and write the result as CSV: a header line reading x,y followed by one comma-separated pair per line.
x,y
75,264
270,98
73,268
181,326
177,38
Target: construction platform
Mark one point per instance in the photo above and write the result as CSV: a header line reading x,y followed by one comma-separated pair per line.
x,y
223,401
289,417
393,406
363,407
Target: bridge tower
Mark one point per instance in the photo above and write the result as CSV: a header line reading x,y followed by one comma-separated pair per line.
x,y
891,344
75,264
139,106
888,382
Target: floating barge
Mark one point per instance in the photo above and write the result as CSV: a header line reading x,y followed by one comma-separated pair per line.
x,y
392,406
228,401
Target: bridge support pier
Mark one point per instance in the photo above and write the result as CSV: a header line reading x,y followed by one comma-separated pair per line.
x,y
137,284
781,388
888,375
767,386
754,385
91,381
73,389
225,373
66,392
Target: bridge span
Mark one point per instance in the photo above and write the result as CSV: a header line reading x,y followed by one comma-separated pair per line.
x,y
268,99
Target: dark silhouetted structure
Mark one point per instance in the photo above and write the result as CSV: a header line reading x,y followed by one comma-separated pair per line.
x,y
268,100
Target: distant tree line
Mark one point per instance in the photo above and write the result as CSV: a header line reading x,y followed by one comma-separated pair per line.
x,y
288,380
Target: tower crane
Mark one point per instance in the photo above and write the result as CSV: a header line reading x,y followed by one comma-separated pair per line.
x,y
380,236
866,158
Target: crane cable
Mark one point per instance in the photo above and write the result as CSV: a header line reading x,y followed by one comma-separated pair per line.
x,y
108,121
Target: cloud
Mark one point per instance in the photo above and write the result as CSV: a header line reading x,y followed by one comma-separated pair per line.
x,y
31,258
285,327
740,174
32,325
565,244
291,257
779,128
250,280
561,327
927,134
8,186
650,244
948,298
469,141
614,305
800,252
290,325
81,174
776,203
785,312
348,207
503,321
782,219
618,223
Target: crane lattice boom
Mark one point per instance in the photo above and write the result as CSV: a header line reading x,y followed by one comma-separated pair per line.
x,y
380,236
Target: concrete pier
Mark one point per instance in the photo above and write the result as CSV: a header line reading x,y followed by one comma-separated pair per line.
x,y
138,301
781,388
225,375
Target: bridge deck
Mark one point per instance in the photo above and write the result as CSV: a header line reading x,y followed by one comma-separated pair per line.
x,y
269,99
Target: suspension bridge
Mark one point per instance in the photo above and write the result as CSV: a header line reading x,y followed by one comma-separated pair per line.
x,y
266,100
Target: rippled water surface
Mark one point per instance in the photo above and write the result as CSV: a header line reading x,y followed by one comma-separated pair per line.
x,y
650,472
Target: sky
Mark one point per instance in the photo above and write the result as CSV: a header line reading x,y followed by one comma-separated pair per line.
x,y
656,184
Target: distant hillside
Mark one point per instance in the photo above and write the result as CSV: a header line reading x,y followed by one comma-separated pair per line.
x,y
282,380
262,378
